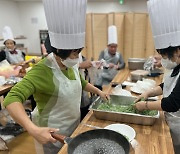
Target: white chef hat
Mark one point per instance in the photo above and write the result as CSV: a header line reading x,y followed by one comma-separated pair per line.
x,y
165,22
112,35
7,33
66,22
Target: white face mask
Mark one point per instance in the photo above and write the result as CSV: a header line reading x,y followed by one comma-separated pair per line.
x,y
168,63
70,62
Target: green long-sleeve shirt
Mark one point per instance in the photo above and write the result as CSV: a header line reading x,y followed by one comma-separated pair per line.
x,y
39,83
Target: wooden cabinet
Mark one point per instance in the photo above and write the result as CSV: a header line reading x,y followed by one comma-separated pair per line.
x,y
133,29
134,34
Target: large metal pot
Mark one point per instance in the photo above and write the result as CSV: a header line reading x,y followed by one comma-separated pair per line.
x,y
136,63
100,141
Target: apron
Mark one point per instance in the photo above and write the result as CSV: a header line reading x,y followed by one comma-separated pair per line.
x,y
85,101
14,58
62,111
107,75
172,118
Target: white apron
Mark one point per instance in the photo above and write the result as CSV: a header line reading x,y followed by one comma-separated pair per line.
x,y
172,118
14,58
62,111
107,75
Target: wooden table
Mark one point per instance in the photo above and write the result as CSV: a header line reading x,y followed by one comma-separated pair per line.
x,y
21,144
5,88
155,139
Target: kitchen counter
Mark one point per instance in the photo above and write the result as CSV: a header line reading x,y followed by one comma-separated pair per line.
x,y
155,139
5,89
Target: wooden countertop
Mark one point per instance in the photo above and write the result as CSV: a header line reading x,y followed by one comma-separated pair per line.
x,y
155,139
5,88
21,144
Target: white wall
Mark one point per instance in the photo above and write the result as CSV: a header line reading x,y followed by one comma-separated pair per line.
x,y
9,16
20,16
32,11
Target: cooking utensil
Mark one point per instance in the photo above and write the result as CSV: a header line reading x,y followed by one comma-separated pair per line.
x,y
123,129
99,141
136,63
91,126
121,116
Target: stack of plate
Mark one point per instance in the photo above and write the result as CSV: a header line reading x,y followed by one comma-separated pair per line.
x,y
142,86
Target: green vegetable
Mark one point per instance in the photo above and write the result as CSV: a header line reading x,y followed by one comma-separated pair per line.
x,y
125,108
142,99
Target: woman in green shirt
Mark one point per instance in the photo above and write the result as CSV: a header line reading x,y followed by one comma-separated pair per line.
x,y
55,81
56,85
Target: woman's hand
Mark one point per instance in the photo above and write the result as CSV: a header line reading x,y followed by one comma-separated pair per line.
x,y
142,105
85,64
43,134
104,96
142,97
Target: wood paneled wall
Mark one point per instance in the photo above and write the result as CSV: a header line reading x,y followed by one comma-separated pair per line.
x,y
134,34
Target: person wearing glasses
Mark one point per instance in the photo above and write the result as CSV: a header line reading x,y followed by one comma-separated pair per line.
x,y
113,60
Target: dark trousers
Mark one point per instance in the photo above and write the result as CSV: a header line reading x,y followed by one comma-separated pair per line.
x,y
33,103
84,111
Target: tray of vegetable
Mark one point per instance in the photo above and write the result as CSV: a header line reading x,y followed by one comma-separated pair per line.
x,y
121,109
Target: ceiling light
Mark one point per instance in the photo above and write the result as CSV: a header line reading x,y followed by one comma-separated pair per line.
x,y
121,1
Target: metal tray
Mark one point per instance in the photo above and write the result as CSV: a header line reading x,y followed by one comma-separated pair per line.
x,y
121,116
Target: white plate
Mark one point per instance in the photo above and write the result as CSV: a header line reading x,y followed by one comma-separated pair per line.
x,y
123,129
127,83
136,90
150,81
